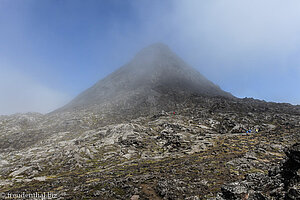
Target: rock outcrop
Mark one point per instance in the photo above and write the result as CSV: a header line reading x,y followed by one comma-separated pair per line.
x,y
281,182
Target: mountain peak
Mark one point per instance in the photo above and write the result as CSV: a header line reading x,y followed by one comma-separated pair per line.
x,y
154,52
153,73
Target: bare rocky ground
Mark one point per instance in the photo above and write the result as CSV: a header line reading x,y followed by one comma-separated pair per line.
x,y
200,152
281,181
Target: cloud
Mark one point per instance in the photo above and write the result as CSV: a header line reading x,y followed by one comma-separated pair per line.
x,y
20,93
232,28
227,30
243,46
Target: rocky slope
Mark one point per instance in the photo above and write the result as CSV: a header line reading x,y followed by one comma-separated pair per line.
x,y
187,155
154,129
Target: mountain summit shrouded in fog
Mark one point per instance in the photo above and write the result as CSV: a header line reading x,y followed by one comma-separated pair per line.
x,y
154,129
152,74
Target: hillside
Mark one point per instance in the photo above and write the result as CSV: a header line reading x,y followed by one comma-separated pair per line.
x,y
154,129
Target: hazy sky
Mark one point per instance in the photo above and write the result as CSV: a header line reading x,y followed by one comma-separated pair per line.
x,y
51,50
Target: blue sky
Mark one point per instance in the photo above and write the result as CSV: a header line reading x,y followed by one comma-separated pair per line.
x,y
51,50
